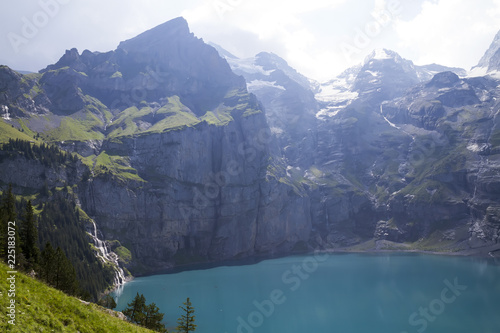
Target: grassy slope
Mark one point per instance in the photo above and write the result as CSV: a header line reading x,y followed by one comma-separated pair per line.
x,y
8,132
116,165
80,126
174,115
43,309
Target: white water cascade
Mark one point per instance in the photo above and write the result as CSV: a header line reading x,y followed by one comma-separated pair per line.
x,y
6,114
108,256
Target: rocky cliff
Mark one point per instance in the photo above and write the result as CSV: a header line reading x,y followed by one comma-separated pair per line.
x,y
389,156
178,150
188,157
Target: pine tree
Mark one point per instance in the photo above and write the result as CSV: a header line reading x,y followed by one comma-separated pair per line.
x,y
65,274
59,267
148,316
48,264
135,310
57,270
153,318
186,321
3,231
30,236
9,215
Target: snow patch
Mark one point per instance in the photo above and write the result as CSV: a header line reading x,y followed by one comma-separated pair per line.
x,y
494,74
477,72
328,112
381,54
375,74
293,171
336,94
483,71
259,84
476,148
248,66
276,130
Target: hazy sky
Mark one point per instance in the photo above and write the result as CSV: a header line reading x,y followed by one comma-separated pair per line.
x,y
320,38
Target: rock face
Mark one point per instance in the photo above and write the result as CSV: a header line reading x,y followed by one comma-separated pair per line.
x,y
204,197
179,151
164,61
188,161
379,150
288,98
491,59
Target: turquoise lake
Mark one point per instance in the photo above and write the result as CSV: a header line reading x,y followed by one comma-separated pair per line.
x,y
325,293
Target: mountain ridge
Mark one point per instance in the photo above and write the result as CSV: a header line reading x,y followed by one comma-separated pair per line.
x,y
193,158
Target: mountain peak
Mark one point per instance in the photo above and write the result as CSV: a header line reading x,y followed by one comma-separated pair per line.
x,y
382,54
167,31
271,61
491,58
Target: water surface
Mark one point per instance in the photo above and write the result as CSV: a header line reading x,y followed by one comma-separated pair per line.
x,y
345,293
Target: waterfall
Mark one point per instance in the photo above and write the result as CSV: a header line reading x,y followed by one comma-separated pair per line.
x,y
6,114
108,256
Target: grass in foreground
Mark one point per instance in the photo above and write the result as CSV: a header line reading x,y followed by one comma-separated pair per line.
x,y
40,308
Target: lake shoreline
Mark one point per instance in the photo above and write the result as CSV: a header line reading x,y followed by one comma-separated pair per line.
x,y
330,290
490,251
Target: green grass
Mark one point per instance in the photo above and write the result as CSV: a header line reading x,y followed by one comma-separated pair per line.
x,y
40,308
172,116
80,127
116,74
25,128
428,191
118,166
125,125
124,254
30,84
219,117
240,101
177,117
86,124
31,77
35,91
8,132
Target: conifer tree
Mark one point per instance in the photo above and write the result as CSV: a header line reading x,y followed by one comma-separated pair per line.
x,y
3,231
9,214
148,316
65,275
30,236
57,270
153,318
186,321
135,309
48,263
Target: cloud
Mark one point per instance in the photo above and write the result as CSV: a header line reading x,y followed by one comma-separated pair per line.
x,y
91,24
308,34
450,32
247,27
